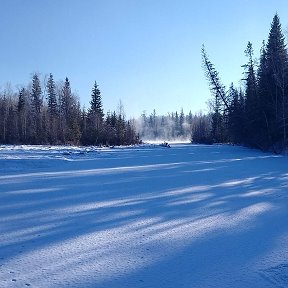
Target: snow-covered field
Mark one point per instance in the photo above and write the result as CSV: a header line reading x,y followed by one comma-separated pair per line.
x,y
149,216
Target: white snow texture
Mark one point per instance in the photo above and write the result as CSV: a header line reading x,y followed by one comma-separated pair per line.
x,y
145,216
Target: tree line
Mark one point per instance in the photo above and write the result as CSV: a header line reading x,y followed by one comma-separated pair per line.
x,y
256,114
51,114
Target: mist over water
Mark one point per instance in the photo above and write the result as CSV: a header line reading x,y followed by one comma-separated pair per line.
x,y
172,128
171,141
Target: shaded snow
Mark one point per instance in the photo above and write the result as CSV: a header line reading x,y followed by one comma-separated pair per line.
x,y
189,216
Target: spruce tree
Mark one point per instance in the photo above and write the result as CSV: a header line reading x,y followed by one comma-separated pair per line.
x,y
21,100
66,116
95,127
216,87
272,89
277,66
36,105
36,95
52,110
96,102
236,119
221,106
66,99
22,108
51,97
251,121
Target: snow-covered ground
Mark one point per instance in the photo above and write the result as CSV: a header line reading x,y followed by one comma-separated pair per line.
x,y
149,216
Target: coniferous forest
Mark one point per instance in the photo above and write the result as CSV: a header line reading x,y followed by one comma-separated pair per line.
x,y
255,115
50,113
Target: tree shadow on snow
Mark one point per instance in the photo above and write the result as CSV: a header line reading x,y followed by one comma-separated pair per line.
x,y
191,216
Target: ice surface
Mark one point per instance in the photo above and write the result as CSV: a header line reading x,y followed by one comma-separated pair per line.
x,y
146,216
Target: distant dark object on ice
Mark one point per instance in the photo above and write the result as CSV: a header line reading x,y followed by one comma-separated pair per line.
x,y
165,144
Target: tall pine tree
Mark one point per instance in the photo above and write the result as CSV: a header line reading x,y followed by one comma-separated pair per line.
x,y
272,89
277,66
252,117
51,97
95,121
96,102
52,110
36,105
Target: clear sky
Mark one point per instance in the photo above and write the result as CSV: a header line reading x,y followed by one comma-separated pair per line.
x,y
145,52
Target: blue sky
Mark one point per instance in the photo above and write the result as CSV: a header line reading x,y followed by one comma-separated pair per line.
x,y
145,52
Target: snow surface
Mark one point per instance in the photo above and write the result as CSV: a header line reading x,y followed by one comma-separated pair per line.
x,y
147,216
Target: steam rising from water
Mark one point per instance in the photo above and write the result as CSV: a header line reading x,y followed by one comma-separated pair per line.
x,y
172,128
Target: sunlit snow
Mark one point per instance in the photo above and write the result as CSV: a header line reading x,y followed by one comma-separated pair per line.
x,y
143,216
